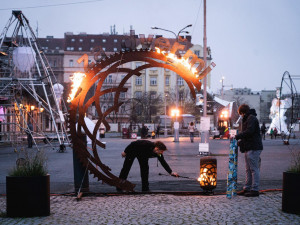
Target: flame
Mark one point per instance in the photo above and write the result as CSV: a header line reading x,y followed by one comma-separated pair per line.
x,y
76,79
184,62
205,178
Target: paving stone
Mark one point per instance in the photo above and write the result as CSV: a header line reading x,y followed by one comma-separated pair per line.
x,y
161,209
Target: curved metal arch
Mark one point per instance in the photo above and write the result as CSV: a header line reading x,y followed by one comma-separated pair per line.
x,y
293,94
96,76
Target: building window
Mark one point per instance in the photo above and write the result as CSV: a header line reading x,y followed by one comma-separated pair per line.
x,y
92,40
71,63
115,49
153,81
138,94
110,79
179,81
103,40
152,94
104,108
138,81
80,49
122,95
167,81
197,53
54,63
57,48
80,40
123,108
115,40
73,40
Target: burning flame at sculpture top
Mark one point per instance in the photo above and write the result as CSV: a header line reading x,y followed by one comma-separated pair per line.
x,y
184,61
76,79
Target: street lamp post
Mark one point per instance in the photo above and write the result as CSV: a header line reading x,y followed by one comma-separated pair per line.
x,y
166,131
222,89
176,131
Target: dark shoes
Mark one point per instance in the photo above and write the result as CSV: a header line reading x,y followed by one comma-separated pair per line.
x,y
119,190
243,192
247,193
252,194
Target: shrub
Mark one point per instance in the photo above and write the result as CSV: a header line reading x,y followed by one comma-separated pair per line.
x,y
33,164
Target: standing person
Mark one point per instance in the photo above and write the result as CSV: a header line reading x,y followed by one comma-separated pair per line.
x,y
271,133
275,132
263,130
157,130
143,131
191,129
143,150
252,147
102,130
29,134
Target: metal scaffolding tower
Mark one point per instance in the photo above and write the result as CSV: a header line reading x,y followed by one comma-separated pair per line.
x,y
27,90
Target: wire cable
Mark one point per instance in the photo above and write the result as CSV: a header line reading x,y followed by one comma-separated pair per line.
x,y
53,5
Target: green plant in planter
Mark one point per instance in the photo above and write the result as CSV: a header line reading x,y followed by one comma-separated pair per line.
x,y
28,186
34,163
295,167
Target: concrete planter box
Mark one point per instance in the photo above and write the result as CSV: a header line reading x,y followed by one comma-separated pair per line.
x,y
28,196
291,193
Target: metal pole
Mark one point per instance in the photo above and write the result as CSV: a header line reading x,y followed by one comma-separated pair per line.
x,y
205,134
222,88
166,131
81,177
204,57
176,131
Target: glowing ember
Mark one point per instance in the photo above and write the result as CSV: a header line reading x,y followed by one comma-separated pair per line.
x,y
76,79
184,62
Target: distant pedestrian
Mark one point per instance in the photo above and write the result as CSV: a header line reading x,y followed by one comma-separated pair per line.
x,y
263,131
102,130
275,132
251,145
271,133
143,150
144,131
157,130
29,134
153,135
191,129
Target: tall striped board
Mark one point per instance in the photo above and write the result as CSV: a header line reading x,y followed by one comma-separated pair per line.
x,y
232,166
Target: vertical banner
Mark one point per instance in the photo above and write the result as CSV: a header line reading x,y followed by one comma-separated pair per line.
x,y
233,163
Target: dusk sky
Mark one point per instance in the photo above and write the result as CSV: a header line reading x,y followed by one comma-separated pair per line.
x,y
252,42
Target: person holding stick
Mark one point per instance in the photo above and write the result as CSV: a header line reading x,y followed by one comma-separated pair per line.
x,y
143,150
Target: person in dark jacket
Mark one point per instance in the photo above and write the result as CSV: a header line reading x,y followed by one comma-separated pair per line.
x,y
143,150
29,134
251,145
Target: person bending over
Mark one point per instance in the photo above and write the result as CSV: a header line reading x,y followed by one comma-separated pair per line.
x,y
143,150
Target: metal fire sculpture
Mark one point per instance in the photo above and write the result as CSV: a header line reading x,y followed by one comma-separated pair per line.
x,y
92,82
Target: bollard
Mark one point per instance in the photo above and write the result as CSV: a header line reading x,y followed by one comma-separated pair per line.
x,y
81,175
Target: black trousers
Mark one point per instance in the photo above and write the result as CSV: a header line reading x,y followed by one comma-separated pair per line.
x,y
144,169
29,140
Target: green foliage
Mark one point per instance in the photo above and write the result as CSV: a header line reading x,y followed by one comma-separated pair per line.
x,y
33,164
295,167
